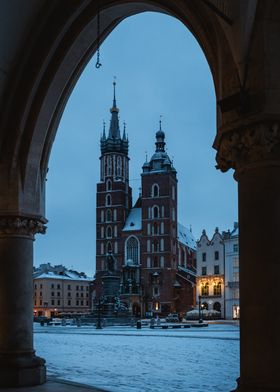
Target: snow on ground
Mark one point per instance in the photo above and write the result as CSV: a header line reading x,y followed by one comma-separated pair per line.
x,y
123,359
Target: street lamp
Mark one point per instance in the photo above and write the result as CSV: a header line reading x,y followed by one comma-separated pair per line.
x,y
200,320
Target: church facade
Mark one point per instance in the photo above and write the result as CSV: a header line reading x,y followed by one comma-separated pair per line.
x,y
155,255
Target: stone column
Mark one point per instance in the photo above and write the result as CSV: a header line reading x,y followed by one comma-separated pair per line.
x,y
254,153
19,366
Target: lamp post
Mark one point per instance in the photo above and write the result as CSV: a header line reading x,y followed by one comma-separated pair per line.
x,y
200,320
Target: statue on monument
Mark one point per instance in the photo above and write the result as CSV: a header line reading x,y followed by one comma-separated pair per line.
x,y
111,264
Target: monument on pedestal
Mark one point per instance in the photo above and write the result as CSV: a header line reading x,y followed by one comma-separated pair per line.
x,y
113,311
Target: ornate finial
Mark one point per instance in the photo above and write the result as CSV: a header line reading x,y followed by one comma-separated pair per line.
x,y
160,121
104,131
146,153
124,129
114,84
190,228
114,108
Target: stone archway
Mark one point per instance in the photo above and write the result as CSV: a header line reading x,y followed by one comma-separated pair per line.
x,y
217,306
48,48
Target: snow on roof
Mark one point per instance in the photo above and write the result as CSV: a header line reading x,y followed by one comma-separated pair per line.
x,y
235,232
134,220
186,237
68,275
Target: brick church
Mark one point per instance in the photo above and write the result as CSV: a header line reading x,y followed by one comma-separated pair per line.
x,y
155,255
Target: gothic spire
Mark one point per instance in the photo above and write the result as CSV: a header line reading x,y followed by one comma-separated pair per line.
x,y
114,142
124,133
114,131
104,132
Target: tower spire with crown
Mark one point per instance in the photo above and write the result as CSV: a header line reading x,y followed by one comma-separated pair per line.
x,y
114,131
160,136
114,142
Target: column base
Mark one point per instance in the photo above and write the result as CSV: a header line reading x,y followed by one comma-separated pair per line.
x,y
241,387
21,370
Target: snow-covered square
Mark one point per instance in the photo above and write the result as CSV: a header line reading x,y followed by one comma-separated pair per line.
x,y
124,359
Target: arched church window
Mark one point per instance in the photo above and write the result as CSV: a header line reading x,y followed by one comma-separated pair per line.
x,y
155,246
155,262
217,306
173,192
102,216
132,251
108,185
108,200
155,228
108,216
155,212
109,247
155,190
119,166
109,166
102,232
109,232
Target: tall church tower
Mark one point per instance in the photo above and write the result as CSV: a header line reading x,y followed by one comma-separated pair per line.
x,y
113,201
159,225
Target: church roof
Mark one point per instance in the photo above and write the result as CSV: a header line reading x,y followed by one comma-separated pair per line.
x,y
186,237
134,220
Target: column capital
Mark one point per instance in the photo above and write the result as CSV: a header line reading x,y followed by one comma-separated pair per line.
x,y
21,226
254,145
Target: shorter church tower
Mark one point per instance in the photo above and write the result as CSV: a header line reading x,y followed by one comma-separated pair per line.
x,y
113,201
159,225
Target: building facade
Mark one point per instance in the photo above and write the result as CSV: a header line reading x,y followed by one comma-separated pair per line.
x,y
211,272
154,254
218,272
231,241
59,291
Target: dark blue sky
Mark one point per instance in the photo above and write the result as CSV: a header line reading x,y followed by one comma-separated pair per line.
x,y
160,70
